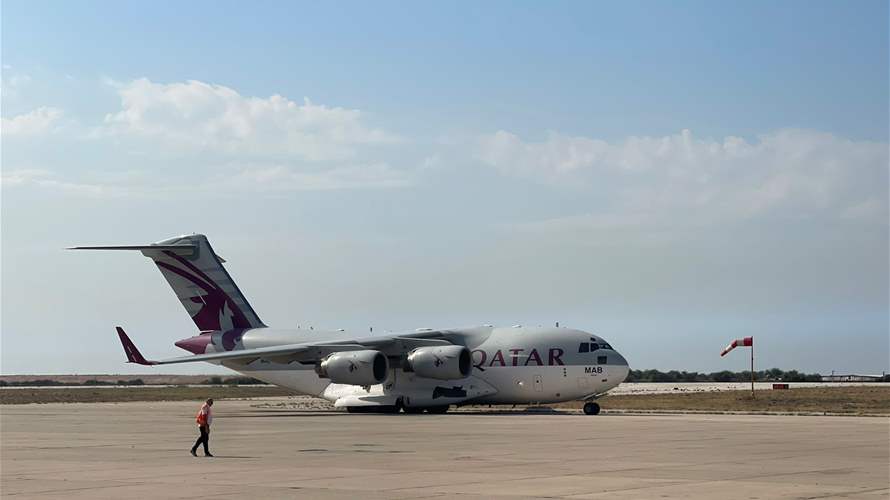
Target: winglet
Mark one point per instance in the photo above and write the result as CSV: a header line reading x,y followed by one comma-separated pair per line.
x,y
133,354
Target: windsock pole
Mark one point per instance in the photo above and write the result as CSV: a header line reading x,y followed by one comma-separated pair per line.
x,y
752,370
745,342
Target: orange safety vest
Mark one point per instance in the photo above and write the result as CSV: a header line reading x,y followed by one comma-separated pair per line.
x,y
201,417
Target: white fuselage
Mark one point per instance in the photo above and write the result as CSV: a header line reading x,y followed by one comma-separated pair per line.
x,y
515,365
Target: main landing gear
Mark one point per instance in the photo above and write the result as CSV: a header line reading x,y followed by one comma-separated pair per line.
x,y
591,408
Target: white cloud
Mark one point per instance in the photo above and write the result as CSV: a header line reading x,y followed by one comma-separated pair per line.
x,y
22,176
281,178
11,85
253,179
41,120
209,139
794,173
869,209
557,155
201,116
46,179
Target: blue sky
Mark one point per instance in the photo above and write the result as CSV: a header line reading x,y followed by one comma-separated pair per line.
x,y
612,70
667,175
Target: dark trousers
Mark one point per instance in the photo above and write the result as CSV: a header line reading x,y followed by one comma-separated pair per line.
x,y
204,439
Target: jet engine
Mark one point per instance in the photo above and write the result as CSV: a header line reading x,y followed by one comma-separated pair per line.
x,y
354,367
444,363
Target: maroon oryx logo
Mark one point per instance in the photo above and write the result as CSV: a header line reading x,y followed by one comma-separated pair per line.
x,y
215,303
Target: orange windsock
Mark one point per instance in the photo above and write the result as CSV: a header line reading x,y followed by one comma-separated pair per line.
x,y
745,342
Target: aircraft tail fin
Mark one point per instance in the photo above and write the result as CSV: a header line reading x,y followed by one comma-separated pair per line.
x,y
202,284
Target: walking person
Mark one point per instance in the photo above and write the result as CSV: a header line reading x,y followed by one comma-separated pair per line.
x,y
204,419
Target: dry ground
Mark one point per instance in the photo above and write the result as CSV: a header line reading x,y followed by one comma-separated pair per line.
x,y
140,450
842,400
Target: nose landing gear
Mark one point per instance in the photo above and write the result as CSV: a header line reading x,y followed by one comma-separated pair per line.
x,y
591,408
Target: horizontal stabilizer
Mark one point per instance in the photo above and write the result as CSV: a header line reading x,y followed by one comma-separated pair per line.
x,y
133,354
134,247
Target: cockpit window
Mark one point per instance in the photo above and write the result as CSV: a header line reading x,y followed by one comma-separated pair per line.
x,y
593,346
602,345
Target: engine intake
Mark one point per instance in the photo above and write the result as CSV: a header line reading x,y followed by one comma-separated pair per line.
x,y
440,362
354,367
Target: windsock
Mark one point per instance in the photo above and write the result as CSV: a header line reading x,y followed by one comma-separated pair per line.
x,y
745,342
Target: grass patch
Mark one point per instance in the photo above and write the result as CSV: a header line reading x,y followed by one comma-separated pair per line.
x,y
851,400
845,400
123,394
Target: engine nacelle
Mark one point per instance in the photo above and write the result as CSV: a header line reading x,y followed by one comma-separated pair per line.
x,y
354,367
450,362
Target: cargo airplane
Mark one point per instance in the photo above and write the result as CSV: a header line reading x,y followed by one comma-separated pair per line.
x,y
423,370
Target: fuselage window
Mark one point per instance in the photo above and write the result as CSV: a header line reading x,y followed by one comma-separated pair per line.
x,y
602,360
583,347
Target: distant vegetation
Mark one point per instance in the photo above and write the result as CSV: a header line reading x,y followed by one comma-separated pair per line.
x,y
771,375
233,381
32,383
136,381
56,383
673,376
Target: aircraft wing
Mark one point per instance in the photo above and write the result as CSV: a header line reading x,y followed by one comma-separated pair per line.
x,y
309,352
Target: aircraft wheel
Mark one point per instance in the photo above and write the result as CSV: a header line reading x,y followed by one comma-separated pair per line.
x,y
412,410
591,408
437,410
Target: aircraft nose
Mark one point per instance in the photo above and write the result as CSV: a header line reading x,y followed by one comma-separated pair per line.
x,y
623,367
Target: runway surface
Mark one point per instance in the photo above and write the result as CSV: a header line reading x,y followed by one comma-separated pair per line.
x,y
140,450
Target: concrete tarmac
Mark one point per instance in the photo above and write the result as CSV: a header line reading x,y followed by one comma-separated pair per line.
x,y
140,450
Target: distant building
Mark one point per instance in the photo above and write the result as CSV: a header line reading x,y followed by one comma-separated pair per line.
x,y
852,378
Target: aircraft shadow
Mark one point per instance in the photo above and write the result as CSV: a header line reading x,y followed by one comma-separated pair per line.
x,y
259,413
